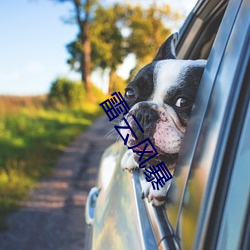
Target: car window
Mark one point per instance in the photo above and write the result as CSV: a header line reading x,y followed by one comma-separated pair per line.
x,y
192,132
228,86
235,211
198,34
203,21
208,130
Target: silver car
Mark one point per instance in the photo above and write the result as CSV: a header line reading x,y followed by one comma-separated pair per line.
x,y
208,203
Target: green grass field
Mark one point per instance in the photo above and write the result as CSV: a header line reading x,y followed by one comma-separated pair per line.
x,y
31,139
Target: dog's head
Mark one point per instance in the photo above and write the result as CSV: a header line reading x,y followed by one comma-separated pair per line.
x,y
161,97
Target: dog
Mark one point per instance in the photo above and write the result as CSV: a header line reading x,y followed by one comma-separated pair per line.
x,y
160,97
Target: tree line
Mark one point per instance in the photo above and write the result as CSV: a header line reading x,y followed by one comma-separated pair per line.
x,y
106,35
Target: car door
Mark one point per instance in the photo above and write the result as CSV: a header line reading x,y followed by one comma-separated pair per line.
x,y
121,220
207,175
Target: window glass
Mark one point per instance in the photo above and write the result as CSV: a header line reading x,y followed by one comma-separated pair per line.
x,y
236,206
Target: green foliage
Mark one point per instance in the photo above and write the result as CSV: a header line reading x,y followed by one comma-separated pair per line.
x,y
119,84
82,15
119,30
97,94
116,83
31,139
66,93
107,43
148,30
74,48
108,48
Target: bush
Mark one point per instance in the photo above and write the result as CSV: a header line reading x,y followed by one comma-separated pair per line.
x,y
119,84
97,94
65,92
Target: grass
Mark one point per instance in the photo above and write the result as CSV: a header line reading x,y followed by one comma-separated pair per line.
x,y
31,139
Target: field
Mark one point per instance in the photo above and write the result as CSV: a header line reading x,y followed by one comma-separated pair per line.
x,y
32,136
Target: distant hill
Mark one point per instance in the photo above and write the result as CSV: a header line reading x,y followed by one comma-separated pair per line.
x,y
10,104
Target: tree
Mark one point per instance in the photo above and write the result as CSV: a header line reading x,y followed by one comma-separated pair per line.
x,y
108,48
108,44
148,31
83,15
119,30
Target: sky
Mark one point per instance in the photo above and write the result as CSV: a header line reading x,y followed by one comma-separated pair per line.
x,y
32,44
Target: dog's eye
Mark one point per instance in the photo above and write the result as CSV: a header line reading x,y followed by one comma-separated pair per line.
x,y
183,102
130,94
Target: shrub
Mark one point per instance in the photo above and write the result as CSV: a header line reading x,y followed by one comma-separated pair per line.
x,y
119,84
65,92
97,94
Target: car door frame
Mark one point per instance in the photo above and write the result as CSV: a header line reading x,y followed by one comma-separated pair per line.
x,y
198,137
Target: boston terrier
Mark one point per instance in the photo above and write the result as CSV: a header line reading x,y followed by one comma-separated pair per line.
x,y
160,97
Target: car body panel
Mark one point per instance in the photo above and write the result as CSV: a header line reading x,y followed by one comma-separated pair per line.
x,y
117,223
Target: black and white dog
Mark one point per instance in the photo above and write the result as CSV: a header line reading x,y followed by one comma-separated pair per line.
x,y
161,97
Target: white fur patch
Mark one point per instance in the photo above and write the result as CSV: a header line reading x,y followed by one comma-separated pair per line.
x,y
162,192
128,162
169,73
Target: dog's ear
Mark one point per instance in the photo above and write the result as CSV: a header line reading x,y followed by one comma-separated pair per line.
x,y
167,49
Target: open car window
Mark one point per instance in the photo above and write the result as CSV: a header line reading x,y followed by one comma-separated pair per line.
x,y
198,33
211,27
196,41
197,179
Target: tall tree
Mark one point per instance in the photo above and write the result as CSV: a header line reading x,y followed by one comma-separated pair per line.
x,y
108,45
147,31
108,48
119,30
83,15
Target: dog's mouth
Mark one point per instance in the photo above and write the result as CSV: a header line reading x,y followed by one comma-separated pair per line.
x,y
149,151
166,158
145,150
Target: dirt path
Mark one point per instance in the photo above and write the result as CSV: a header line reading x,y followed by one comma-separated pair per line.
x,y
53,218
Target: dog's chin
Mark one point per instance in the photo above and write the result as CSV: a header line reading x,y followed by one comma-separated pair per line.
x,y
168,159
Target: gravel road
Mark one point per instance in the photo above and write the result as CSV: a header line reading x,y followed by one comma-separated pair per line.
x,y
53,218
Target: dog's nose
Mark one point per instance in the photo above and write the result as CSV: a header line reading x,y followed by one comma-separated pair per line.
x,y
146,117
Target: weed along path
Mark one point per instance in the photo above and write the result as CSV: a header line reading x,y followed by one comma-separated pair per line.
x,y
53,217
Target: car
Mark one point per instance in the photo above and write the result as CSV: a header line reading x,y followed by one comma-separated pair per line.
x,y
208,203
